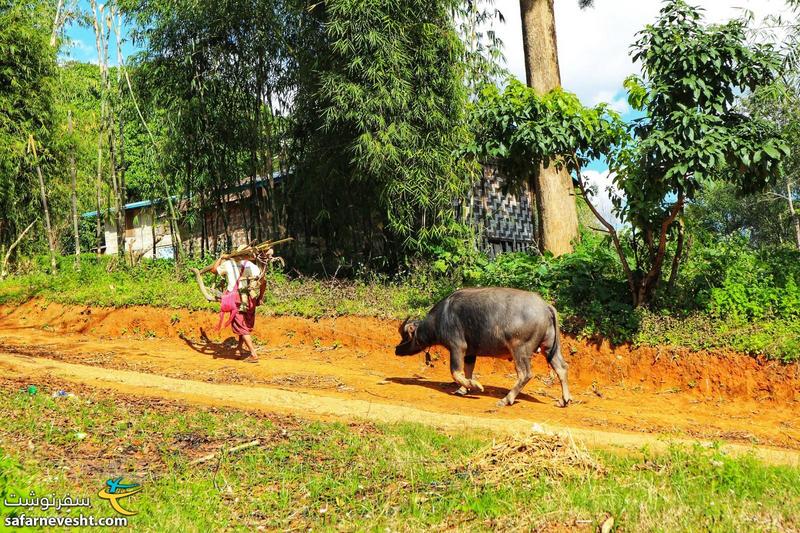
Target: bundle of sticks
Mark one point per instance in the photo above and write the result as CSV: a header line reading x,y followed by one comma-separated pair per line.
x,y
262,253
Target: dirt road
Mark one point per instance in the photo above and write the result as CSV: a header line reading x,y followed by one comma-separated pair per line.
x,y
345,368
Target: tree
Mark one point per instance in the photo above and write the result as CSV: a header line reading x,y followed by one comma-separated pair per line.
x,y
556,209
78,104
209,79
525,132
694,129
692,132
767,218
378,117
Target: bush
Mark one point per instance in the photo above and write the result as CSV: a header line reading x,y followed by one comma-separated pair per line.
x,y
731,281
728,296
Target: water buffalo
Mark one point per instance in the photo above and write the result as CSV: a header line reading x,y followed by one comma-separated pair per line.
x,y
492,321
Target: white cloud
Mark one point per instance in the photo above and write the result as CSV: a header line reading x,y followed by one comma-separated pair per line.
x,y
593,44
617,102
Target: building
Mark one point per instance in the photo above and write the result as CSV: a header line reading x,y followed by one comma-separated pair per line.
x,y
147,228
504,220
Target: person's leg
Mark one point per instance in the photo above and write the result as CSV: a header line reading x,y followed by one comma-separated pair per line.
x,y
248,340
242,325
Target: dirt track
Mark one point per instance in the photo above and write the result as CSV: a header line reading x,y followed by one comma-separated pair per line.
x,y
345,368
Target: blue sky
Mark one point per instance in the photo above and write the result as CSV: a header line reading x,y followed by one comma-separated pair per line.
x,y
82,39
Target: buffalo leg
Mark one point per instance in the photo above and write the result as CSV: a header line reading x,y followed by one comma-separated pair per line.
x,y
457,370
469,367
558,364
522,361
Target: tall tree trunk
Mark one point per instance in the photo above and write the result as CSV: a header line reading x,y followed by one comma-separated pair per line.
x,y
112,163
57,23
268,155
558,214
793,213
112,147
74,197
256,166
43,192
99,39
174,227
153,222
99,190
676,259
203,226
115,22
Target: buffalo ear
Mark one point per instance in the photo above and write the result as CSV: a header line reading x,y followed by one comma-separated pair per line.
x,y
411,328
402,327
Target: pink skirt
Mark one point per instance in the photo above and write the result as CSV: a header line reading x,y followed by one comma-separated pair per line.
x,y
244,322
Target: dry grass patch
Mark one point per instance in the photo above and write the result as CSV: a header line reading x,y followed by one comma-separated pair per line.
x,y
511,458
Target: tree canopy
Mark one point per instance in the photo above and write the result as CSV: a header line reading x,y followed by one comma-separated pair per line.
x,y
694,129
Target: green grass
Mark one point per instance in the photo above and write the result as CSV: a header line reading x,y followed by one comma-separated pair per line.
x,y
102,282
776,338
358,476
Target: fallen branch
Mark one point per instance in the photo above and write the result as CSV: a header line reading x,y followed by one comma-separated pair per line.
x,y
235,449
3,272
261,253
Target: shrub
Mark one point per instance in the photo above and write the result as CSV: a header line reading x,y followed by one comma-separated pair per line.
x,y
731,281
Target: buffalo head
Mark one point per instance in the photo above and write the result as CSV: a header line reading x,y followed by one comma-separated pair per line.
x,y
408,343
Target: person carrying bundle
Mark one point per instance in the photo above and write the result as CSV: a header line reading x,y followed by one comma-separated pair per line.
x,y
244,290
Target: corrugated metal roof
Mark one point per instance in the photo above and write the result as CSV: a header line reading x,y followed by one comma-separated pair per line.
x,y
276,176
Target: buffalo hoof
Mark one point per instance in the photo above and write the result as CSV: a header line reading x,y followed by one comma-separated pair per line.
x,y
504,402
563,403
475,385
461,391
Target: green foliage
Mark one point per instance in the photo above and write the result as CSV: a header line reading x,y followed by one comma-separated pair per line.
x,y
379,116
483,47
774,338
521,129
208,81
27,101
720,211
103,281
15,482
728,296
691,132
763,218
585,287
729,280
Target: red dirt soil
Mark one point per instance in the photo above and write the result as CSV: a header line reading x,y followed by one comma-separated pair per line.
x,y
661,391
